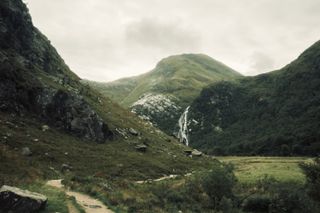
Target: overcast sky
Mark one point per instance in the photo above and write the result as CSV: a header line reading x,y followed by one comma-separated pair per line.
x,y
104,40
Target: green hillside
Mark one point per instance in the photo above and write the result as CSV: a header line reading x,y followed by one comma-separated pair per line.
x,y
277,113
162,94
45,110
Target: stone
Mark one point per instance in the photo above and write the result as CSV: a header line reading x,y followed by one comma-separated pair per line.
x,y
188,152
16,200
121,132
45,128
93,206
66,167
141,148
26,151
196,153
133,132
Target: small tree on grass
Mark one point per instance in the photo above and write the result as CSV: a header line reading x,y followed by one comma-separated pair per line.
x,y
219,183
312,172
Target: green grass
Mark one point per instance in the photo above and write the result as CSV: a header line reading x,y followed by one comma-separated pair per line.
x,y
249,170
114,160
57,200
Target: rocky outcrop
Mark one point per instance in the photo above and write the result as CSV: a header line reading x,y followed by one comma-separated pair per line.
x,y
16,200
18,33
35,80
63,109
71,112
161,110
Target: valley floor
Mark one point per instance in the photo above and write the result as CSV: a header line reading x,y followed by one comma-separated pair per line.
x,y
129,195
251,169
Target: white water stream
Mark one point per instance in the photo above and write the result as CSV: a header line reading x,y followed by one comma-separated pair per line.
x,y
183,127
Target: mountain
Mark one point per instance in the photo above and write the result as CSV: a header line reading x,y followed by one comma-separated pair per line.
x,y
48,119
161,95
277,113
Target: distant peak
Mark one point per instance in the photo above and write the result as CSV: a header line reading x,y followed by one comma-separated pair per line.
x,y
191,61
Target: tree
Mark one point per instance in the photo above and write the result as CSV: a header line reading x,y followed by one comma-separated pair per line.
x,y
219,183
312,172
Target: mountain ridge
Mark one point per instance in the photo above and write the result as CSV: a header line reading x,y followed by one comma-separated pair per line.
x,y
273,114
167,89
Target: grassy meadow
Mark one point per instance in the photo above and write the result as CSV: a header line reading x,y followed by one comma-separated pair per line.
x,y
251,169
257,178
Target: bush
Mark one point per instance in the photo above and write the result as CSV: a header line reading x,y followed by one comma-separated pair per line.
x,y
219,183
226,206
312,172
289,200
257,203
175,197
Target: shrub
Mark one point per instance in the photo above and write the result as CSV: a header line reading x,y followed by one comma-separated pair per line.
x,y
312,172
289,200
175,197
219,183
257,203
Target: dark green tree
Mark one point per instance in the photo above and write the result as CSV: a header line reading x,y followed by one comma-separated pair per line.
x,y
219,183
312,172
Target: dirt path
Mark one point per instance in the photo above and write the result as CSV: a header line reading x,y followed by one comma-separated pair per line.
x,y
89,204
158,179
162,178
72,208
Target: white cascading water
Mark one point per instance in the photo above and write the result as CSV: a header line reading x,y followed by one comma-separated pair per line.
x,y
183,127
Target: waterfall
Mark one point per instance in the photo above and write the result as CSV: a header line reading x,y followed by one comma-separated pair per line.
x,y
183,127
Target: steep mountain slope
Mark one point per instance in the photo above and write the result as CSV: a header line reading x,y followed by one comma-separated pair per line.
x,y
161,95
270,114
49,120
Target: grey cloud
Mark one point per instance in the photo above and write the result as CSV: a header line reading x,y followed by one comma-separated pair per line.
x,y
150,32
260,63
108,39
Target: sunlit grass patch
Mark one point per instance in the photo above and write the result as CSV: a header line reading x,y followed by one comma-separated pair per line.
x,y
250,169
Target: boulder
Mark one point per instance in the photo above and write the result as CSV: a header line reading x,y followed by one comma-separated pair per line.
x,y
188,152
133,132
45,128
26,151
196,153
16,200
141,148
66,167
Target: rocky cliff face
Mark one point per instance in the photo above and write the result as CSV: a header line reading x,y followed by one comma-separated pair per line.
x,y
34,78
